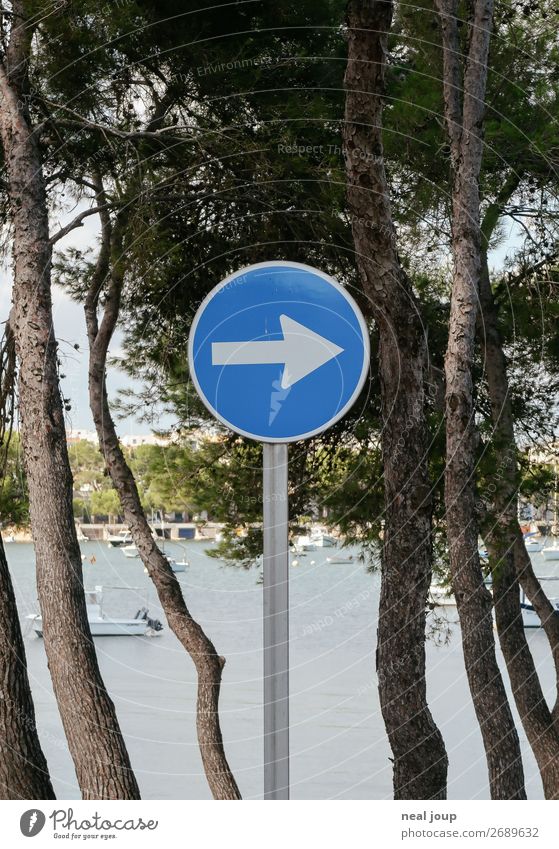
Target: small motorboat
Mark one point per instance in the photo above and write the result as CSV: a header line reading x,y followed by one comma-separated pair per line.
x,y
176,565
529,616
102,625
9,538
340,558
324,540
130,550
118,540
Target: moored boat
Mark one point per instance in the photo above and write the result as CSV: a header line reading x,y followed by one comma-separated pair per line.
x,y
324,541
124,537
102,625
176,565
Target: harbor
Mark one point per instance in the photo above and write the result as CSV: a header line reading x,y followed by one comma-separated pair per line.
x,y
339,749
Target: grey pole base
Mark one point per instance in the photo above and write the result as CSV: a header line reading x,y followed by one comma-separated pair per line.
x,y
276,623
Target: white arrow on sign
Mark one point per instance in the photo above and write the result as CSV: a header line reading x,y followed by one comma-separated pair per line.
x,y
301,351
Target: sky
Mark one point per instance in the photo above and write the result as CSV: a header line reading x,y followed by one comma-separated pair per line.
x,y
69,324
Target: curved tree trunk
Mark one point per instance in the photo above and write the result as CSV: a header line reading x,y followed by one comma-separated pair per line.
x,y
208,663
510,562
530,700
23,768
420,760
87,712
464,121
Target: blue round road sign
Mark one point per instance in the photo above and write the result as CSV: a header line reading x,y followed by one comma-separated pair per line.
x,y
278,351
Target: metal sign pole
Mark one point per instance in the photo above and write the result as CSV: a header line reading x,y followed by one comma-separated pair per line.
x,y
276,623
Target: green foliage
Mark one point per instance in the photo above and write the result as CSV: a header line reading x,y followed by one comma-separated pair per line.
x,y
81,510
105,502
14,499
88,468
247,101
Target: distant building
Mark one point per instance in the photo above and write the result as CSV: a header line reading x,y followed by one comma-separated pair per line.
x,y
133,440
192,438
74,436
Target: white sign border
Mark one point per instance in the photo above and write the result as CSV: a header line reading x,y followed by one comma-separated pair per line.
x,y
301,267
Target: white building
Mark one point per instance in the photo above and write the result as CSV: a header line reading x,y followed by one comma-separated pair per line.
x,y
133,440
82,436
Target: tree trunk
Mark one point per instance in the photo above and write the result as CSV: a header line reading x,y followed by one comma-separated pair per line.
x,y
508,552
208,663
23,768
420,760
88,715
464,127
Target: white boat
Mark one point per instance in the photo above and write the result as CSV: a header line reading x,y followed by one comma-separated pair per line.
x,y
81,536
102,625
340,558
123,537
176,565
10,538
551,552
305,543
324,540
529,615
130,551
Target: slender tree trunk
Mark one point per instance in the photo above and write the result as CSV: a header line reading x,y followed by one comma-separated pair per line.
x,y
23,768
464,121
208,663
88,715
420,760
506,548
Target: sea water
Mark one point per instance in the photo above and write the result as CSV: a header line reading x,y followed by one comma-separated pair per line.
x,y
339,748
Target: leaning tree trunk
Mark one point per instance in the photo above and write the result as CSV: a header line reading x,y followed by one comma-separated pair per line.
x,y
505,544
88,715
208,663
464,123
23,768
507,481
420,760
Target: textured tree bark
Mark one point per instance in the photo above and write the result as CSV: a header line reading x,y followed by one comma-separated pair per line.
x,y
208,663
23,768
420,760
88,715
464,123
507,552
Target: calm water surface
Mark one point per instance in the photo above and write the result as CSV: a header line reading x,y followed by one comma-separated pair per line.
x,y
338,744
